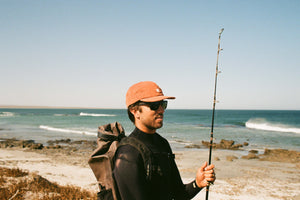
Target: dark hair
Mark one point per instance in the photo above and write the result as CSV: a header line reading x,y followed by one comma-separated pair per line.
x,y
135,107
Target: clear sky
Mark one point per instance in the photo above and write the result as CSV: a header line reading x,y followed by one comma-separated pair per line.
x,y
87,53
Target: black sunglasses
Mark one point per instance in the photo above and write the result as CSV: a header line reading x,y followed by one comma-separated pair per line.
x,y
155,105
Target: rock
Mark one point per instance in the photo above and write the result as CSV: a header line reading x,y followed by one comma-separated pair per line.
x,y
250,156
78,142
196,146
24,143
281,155
246,143
231,158
227,143
54,146
224,144
216,158
253,151
236,146
66,141
3,145
207,144
9,143
36,146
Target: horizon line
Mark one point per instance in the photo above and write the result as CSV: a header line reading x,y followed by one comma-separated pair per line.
x,y
82,107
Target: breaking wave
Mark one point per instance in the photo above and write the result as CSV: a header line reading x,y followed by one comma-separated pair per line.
x,y
6,114
49,128
59,115
96,115
263,124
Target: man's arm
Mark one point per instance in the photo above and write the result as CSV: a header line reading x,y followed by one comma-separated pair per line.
x,y
129,174
183,191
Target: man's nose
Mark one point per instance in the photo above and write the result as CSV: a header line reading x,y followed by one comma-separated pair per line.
x,y
160,109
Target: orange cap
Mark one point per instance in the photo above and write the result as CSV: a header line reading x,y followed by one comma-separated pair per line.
x,y
146,91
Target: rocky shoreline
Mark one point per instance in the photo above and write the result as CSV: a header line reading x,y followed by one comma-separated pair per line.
x,y
225,144
52,144
276,155
85,147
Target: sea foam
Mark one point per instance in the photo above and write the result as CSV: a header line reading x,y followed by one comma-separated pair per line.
x,y
96,115
262,124
49,128
6,114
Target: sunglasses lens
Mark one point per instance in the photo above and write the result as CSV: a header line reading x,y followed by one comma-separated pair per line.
x,y
155,105
164,104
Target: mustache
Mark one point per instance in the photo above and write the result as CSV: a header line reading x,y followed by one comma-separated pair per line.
x,y
159,115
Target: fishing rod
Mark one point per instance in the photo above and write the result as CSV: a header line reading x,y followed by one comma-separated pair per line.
x,y
214,107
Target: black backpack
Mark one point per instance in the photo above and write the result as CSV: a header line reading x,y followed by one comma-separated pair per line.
x,y
110,137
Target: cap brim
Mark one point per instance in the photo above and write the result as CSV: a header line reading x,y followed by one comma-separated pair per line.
x,y
157,98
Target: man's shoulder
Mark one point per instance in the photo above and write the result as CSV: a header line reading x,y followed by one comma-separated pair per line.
x,y
127,152
162,139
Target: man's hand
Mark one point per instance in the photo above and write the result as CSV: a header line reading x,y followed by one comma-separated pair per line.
x,y
205,175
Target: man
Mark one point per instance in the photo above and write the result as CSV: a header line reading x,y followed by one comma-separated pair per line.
x,y
146,106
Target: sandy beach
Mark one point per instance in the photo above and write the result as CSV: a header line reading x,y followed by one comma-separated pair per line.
x,y
237,178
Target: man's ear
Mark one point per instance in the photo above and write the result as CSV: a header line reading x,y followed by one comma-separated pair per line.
x,y
135,112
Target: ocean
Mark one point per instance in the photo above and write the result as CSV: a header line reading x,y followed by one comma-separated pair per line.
x,y
260,128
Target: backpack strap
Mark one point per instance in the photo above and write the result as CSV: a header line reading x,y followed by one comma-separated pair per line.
x,y
145,152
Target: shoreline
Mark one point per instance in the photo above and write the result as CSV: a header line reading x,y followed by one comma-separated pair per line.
x,y
123,108
237,178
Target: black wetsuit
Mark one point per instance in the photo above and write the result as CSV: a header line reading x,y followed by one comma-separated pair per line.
x,y
165,182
